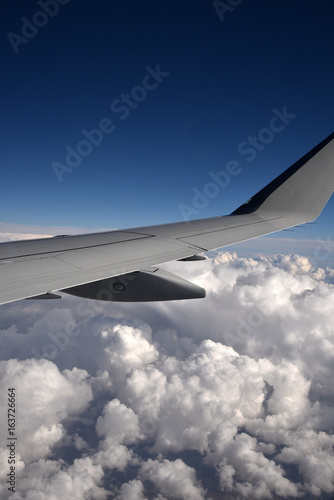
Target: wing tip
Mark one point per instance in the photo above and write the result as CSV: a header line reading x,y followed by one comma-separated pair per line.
x,y
260,197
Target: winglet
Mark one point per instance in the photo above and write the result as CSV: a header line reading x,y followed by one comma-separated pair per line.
x,y
303,188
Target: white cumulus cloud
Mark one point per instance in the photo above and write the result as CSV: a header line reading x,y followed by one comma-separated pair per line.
x,y
230,395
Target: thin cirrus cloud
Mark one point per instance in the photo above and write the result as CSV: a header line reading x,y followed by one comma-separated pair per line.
x,y
230,395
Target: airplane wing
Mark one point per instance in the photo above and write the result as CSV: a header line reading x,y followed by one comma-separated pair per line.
x,y
122,265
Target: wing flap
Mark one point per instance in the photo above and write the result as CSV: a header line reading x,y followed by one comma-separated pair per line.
x,y
250,226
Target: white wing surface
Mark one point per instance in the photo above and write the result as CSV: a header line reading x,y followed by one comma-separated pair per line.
x,y
122,265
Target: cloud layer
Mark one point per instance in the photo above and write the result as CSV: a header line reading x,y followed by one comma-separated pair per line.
x,y
228,396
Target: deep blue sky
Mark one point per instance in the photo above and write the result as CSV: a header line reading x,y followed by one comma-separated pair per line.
x,y
225,78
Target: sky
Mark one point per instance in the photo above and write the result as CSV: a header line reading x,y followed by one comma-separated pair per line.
x,y
117,115
219,74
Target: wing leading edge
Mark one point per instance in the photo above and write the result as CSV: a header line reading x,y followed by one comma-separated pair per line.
x,y
37,267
